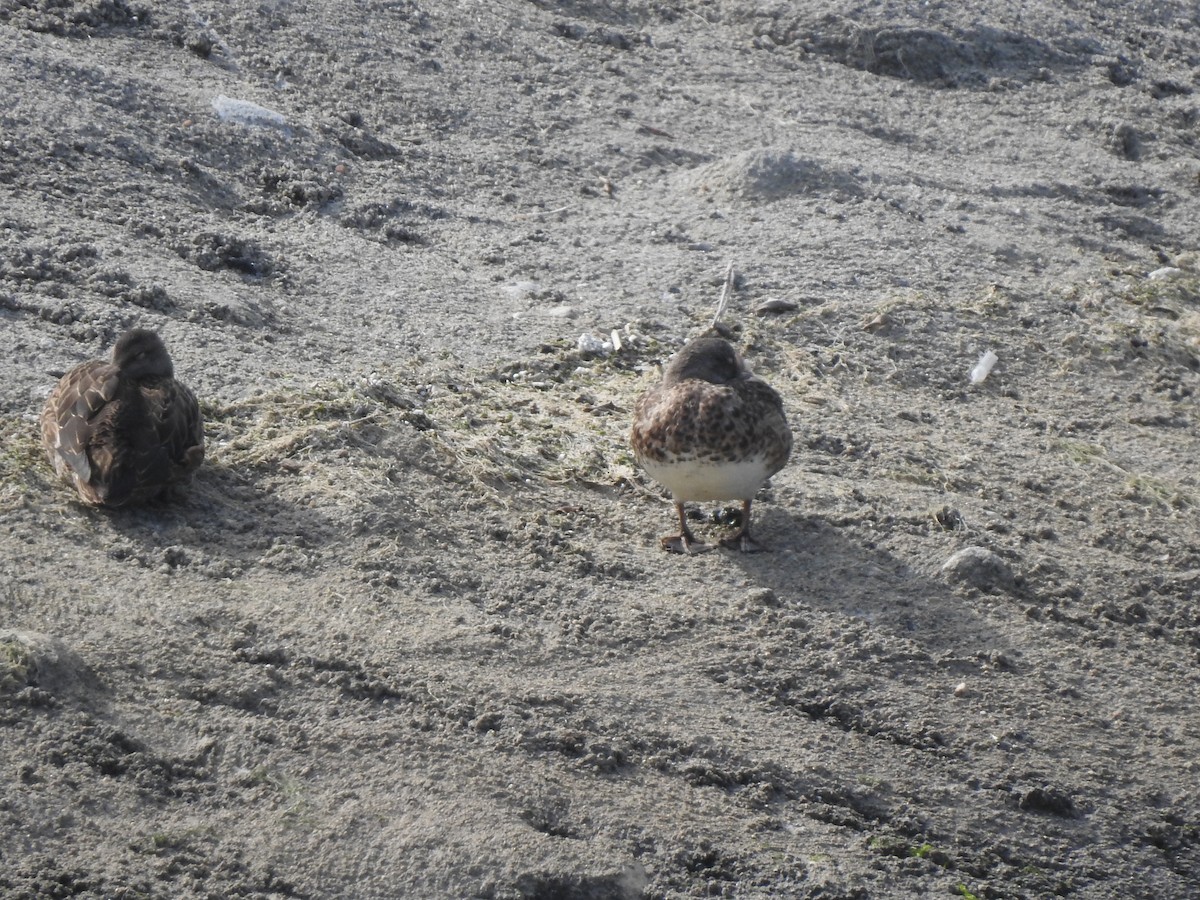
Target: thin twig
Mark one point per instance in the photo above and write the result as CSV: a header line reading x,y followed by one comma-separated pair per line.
x,y
724,295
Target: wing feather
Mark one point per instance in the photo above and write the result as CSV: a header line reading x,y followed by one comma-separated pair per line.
x,y
74,411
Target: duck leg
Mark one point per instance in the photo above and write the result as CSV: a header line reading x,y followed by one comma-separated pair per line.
x,y
685,541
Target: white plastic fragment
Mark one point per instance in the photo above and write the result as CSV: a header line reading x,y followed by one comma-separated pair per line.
x,y
244,112
616,340
983,368
1164,273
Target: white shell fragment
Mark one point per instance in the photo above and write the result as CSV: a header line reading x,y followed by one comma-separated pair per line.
x,y
244,112
983,368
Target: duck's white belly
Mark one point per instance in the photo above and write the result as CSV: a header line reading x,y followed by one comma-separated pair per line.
x,y
702,479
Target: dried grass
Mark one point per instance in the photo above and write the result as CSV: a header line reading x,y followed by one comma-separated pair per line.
x,y
24,469
562,420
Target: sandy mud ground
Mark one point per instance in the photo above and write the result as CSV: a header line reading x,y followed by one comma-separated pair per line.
x,y
410,633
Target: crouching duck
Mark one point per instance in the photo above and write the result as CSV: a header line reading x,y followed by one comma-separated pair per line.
x,y
124,430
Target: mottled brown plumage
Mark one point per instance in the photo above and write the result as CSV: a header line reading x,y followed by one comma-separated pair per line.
x,y
710,430
123,431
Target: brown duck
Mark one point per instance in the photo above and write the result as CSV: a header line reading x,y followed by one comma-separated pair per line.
x,y
123,431
710,430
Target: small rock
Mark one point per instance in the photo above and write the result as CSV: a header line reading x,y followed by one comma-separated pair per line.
x,y
978,567
961,689
774,305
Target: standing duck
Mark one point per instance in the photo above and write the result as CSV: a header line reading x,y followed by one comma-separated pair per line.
x,y
710,430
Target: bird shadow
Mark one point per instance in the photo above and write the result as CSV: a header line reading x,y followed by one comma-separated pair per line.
x,y
808,560
223,522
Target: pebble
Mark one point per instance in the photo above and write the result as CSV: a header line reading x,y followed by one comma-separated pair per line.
x,y
774,305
